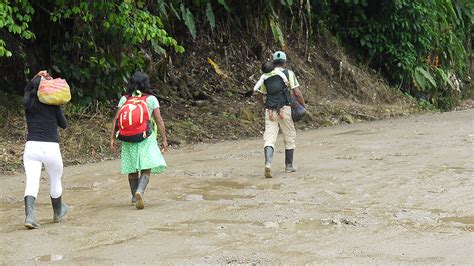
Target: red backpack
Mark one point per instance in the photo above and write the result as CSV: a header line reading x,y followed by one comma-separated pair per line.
x,y
134,120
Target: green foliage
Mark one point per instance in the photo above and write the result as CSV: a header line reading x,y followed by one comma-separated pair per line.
x,y
96,45
277,32
420,46
15,18
101,66
421,76
189,10
188,18
415,43
210,16
223,3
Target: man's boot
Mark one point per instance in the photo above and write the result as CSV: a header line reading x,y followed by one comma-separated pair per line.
x,y
140,191
133,188
289,167
268,151
30,220
59,209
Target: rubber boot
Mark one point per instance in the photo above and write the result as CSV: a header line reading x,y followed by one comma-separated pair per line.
x,y
133,188
289,168
59,209
30,220
268,151
140,191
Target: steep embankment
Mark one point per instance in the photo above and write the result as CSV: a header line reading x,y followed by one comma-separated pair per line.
x,y
205,96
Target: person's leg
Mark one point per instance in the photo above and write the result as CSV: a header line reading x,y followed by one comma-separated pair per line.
x,y
133,181
268,152
289,135
289,166
32,164
269,137
142,183
53,163
33,173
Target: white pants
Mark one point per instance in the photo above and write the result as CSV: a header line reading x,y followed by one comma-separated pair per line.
x,y
36,154
272,126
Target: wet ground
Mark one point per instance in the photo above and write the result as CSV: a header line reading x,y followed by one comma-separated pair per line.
x,y
395,191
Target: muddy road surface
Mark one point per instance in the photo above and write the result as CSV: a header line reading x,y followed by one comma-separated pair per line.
x,y
395,191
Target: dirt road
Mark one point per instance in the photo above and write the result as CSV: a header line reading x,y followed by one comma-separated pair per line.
x,y
397,191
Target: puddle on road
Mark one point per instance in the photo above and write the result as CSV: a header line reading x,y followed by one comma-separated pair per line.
x,y
237,185
310,225
459,170
354,132
212,185
463,220
348,132
199,197
217,190
227,184
226,197
222,222
305,225
467,221
268,186
49,258
192,197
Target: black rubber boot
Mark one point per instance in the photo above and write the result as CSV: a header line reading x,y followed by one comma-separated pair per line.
x,y
140,191
133,188
30,220
289,161
59,209
268,151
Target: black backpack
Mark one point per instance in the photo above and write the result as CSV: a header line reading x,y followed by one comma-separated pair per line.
x,y
278,94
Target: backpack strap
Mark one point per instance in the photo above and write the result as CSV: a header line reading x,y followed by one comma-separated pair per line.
x,y
287,74
289,94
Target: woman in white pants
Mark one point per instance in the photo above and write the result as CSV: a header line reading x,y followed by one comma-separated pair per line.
x,y
42,147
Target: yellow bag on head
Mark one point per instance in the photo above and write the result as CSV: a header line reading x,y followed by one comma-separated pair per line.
x,y
54,91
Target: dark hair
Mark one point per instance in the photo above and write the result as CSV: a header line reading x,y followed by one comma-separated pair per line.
x,y
139,81
267,67
279,62
30,96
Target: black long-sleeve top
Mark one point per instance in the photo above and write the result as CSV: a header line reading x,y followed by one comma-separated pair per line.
x,y
43,120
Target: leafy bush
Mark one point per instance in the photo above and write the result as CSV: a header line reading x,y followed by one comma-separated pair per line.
x,y
416,44
106,44
15,19
419,46
96,45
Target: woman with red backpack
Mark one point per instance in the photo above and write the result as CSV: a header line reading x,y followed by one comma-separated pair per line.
x,y
133,124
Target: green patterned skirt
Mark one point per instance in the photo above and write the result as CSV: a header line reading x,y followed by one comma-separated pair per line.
x,y
142,155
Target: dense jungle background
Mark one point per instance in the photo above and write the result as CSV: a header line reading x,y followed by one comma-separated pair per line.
x,y
355,59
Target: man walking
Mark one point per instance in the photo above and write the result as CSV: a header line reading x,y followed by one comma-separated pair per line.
x,y
283,121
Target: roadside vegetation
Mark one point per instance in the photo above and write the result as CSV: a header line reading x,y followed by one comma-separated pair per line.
x,y
357,60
